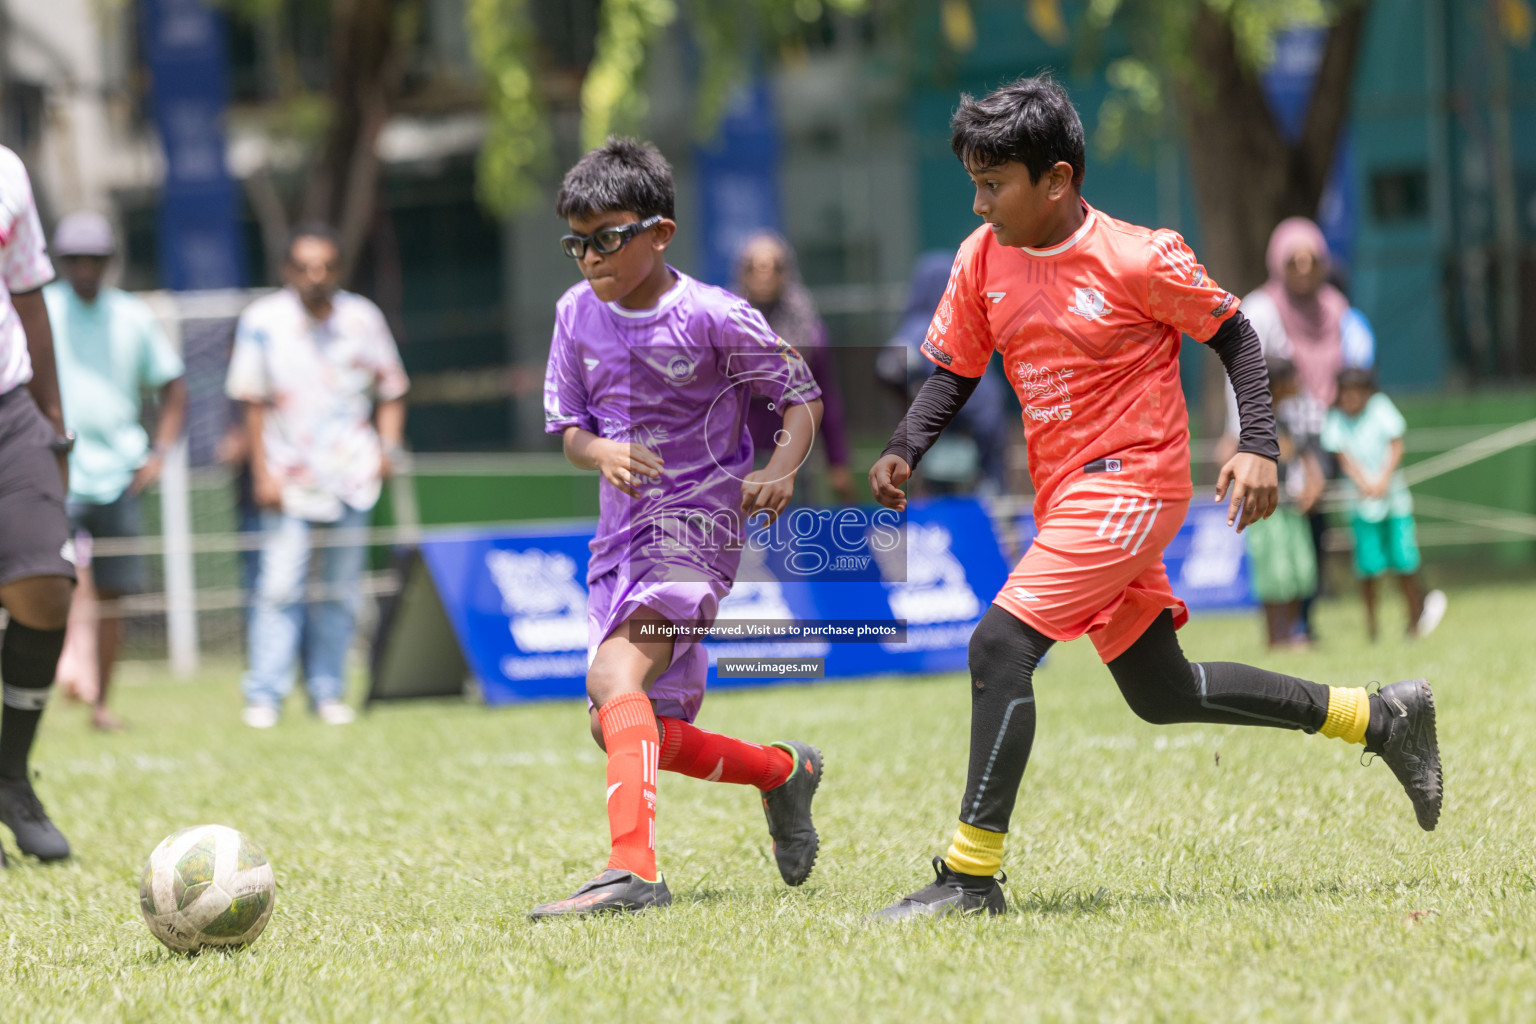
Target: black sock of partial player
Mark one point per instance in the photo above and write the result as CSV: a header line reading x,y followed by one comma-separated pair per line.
x,y
1003,654
1164,687
28,659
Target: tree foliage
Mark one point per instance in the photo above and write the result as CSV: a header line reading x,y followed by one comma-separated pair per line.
x,y
731,35
517,135
728,35
1162,37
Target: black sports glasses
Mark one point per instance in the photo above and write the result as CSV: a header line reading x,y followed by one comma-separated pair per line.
x,y
607,241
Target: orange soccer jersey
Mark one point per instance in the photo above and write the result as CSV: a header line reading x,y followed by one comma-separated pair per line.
x,y
1089,331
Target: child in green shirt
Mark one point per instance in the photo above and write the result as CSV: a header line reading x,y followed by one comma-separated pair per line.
x,y
1366,431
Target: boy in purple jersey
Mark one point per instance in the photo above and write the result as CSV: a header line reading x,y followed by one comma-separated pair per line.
x,y
649,379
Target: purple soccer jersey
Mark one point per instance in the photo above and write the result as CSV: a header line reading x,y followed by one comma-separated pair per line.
x,y
677,378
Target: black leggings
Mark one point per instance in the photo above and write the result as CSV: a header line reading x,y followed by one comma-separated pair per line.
x,y
1157,681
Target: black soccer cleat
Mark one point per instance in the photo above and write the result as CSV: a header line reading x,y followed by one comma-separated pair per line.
x,y
951,893
613,891
23,814
788,808
1410,747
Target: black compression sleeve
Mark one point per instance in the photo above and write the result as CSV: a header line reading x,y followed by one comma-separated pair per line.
x,y
1237,346
938,400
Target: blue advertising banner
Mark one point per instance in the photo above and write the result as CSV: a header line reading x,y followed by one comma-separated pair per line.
x,y
516,599
185,49
1207,562
517,602
738,180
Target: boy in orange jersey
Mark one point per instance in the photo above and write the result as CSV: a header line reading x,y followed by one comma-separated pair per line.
x,y
1087,312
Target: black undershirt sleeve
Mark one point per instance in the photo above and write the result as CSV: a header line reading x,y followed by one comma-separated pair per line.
x,y
938,401
1237,346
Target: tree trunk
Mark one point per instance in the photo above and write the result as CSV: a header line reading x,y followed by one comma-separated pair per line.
x,y
271,218
369,43
1248,177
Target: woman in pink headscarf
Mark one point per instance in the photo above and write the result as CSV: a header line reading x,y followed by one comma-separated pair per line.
x,y
1304,320
768,277
1301,318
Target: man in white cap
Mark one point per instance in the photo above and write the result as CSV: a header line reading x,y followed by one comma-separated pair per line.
x,y
110,349
37,572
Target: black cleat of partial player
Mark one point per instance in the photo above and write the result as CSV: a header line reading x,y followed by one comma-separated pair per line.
x,y
1410,747
613,891
22,812
950,893
788,808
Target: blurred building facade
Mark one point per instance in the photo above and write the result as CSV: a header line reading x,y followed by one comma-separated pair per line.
x,y
1434,203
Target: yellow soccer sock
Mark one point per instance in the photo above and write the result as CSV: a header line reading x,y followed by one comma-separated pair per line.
x,y
1349,712
975,851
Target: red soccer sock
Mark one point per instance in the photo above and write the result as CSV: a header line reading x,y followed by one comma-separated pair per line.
x,y
629,734
716,758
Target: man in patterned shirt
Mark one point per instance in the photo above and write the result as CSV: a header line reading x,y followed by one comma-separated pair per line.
x,y
37,572
324,395
1087,313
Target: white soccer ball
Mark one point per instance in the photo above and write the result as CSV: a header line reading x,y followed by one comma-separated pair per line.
x,y
207,886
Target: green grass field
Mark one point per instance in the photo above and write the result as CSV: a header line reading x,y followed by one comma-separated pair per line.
x,y
1150,879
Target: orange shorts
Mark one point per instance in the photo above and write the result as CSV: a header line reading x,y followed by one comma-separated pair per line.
x,y
1096,567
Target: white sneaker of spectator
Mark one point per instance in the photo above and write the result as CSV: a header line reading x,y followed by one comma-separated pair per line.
x,y
1434,610
259,716
334,712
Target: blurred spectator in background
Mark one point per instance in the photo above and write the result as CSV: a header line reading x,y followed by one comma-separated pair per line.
x,y
1303,319
768,276
1366,431
973,453
234,454
110,349
1282,564
324,394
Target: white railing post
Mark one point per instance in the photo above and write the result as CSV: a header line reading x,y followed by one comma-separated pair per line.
x,y
180,584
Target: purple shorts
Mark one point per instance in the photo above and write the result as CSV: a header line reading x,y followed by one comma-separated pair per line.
x,y
613,597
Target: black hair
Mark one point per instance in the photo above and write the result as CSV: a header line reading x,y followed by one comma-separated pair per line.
x,y
1029,121
314,229
620,175
1356,377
